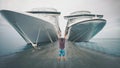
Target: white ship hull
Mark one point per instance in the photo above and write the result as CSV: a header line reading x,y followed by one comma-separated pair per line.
x,y
84,30
82,26
34,30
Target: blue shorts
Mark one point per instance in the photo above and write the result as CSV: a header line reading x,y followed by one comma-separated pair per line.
x,y
61,52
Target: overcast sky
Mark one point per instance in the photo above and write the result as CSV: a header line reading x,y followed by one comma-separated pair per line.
x,y
109,8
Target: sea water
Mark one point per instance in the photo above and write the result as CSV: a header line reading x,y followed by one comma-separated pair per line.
x,y
110,46
10,41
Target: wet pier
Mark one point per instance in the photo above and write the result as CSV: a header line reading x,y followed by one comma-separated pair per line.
x,y
46,57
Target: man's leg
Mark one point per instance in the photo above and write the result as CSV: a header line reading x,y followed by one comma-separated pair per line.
x,y
63,55
59,57
63,58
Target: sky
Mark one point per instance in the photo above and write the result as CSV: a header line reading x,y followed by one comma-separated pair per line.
x,y
109,8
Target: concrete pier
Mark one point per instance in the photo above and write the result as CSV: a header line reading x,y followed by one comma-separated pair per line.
x,y
46,57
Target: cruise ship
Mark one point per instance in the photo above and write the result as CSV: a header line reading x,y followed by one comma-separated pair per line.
x,y
35,26
83,25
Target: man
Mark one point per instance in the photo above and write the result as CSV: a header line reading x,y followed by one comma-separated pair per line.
x,y
61,47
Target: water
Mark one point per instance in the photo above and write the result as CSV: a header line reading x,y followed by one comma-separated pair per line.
x,y
10,41
110,46
107,46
